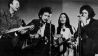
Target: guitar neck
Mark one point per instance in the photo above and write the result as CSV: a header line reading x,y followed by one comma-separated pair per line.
x,y
20,28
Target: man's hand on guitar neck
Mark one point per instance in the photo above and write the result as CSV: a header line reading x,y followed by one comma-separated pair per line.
x,y
22,31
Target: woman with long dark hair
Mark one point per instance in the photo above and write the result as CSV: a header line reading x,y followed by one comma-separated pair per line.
x,y
65,30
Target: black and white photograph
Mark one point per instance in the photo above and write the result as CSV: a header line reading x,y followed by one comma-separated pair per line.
x,y
48,28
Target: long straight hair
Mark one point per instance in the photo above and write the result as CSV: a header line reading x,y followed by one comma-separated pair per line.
x,y
67,23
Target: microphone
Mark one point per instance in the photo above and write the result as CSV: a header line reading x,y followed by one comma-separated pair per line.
x,y
49,21
79,15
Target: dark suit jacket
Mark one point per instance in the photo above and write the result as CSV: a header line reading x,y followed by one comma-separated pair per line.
x,y
89,35
47,31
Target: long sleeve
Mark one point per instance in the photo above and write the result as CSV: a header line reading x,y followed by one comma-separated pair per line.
x,y
36,24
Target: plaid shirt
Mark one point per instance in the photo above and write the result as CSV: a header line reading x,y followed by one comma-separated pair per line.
x,y
7,22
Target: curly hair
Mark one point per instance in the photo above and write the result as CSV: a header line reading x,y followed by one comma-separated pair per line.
x,y
44,9
90,10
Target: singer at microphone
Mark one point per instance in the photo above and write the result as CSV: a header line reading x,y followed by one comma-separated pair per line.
x,y
45,30
89,32
83,20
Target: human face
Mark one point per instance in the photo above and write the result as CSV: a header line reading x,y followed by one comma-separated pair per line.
x,y
85,14
63,19
84,17
45,17
15,5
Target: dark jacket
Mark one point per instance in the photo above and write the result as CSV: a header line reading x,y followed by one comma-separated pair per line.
x,y
89,34
41,48
47,31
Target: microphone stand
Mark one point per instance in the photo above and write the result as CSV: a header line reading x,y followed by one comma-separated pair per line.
x,y
79,38
50,44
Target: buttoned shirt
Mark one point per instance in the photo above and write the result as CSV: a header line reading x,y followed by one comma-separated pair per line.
x,y
8,22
